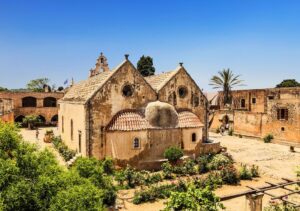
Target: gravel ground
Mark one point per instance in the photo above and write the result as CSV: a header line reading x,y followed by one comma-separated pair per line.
x,y
274,160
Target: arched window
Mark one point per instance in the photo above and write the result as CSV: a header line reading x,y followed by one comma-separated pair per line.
x,y
49,102
72,129
136,143
194,137
29,102
243,103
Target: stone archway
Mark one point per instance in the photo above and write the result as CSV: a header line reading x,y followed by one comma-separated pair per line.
x,y
54,119
19,119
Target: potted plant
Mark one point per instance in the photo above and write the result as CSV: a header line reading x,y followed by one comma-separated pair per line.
x,y
48,136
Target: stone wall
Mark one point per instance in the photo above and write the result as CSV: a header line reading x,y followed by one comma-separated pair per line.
x,y
75,113
47,112
109,100
194,100
263,118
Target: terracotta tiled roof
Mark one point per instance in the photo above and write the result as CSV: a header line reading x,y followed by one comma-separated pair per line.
x,y
158,81
133,120
82,91
128,121
187,119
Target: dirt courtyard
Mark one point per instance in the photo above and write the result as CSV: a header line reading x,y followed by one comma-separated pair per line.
x,y
274,160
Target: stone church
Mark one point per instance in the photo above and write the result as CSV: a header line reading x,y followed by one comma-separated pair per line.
x,y
131,118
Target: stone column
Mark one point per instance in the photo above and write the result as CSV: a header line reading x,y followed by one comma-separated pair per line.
x,y
255,201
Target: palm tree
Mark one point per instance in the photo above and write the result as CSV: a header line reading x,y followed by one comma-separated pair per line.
x,y
225,80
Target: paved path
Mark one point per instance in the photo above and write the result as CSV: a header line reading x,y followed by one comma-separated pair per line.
x,y
274,160
30,136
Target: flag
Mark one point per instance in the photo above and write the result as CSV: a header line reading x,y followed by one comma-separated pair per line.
x,y
66,81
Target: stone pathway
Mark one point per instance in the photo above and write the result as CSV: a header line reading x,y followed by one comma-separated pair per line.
x,y
30,136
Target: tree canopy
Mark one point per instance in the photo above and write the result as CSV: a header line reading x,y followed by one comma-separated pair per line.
x,y
288,83
3,89
225,80
145,66
37,85
31,179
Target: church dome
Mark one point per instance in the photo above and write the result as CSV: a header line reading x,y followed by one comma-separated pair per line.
x,y
160,114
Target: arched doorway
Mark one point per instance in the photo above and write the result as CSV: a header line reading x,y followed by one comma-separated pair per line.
x,y
54,120
42,120
226,122
19,120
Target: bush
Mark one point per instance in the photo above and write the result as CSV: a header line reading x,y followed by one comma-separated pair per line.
x,y
219,161
202,162
277,206
108,165
245,173
80,197
63,150
167,169
268,138
31,179
254,171
194,199
173,154
229,175
189,167
152,193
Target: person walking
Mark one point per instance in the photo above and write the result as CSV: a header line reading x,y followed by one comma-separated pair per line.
x,y
37,133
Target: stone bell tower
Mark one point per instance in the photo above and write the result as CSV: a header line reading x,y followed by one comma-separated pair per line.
x,y
100,66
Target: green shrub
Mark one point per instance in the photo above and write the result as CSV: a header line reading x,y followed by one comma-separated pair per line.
x,y
254,171
167,169
173,154
194,199
189,167
229,175
108,165
203,162
219,161
63,150
276,206
245,173
153,193
268,138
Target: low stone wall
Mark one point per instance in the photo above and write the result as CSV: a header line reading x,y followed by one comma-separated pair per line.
x,y
8,117
208,148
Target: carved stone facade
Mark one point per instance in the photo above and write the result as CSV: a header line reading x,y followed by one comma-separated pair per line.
x,y
121,114
260,112
42,104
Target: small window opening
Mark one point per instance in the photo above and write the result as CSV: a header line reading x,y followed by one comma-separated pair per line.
x,y
254,100
282,129
127,90
282,114
194,137
136,143
243,103
271,97
182,92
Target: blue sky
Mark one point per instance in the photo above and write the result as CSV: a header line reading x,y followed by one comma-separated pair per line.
x,y
61,39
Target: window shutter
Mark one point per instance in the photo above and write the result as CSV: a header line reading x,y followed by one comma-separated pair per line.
x,y
286,114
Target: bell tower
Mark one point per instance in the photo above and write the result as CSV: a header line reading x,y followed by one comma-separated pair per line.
x,y
100,66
